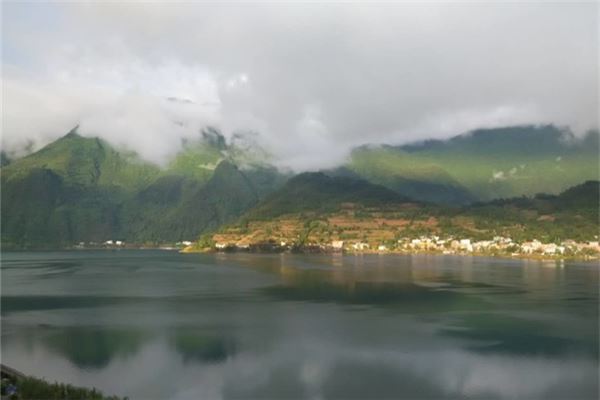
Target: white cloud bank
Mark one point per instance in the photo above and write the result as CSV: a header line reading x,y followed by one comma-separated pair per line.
x,y
314,80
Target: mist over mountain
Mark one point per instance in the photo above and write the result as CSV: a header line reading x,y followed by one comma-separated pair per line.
x,y
83,189
482,165
192,115
314,80
299,199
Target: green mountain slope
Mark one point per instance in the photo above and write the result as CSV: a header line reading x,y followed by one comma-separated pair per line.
x,y
177,207
412,176
81,189
580,201
311,212
71,189
315,191
572,214
85,161
200,157
483,165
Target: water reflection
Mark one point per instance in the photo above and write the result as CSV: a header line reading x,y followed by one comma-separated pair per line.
x,y
154,325
350,379
94,347
202,346
497,333
11,304
403,295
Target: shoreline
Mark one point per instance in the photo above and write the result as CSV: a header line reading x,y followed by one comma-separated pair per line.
x,y
537,257
18,385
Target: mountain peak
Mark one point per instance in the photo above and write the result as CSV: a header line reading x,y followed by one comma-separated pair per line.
x,y
73,133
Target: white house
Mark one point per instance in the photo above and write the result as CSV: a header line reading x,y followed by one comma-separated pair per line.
x,y
360,246
337,244
465,244
549,248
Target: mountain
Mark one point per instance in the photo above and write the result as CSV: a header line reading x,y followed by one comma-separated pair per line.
x,y
580,201
572,214
584,196
84,161
176,207
70,190
312,211
482,165
317,192
82,189
313,207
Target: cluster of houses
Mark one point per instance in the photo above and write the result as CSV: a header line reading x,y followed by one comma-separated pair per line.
x,y
107,243
111,243
499,244
117,243
434,244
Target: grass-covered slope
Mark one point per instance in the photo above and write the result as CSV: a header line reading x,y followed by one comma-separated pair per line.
x,y
482,165
200,157
84,161
412,176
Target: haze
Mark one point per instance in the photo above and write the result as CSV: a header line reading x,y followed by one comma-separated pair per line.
x,y
312,80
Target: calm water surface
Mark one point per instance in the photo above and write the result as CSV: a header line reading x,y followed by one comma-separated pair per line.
x,y
157,325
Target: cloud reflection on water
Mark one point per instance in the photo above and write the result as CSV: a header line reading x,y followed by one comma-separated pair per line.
x,y
315,327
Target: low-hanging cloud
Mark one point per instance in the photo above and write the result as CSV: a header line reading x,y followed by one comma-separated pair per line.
x,y
313,80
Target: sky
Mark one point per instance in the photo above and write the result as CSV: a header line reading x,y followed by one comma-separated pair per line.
x,y
312,80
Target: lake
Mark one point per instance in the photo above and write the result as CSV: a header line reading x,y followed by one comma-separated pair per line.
x,y
158,324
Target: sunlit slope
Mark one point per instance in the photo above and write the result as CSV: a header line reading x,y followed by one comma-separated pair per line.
x,y
409,175
199,158
71,189
484,165
84,161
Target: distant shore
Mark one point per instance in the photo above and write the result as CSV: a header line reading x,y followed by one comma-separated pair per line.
x,y
192,250
539,257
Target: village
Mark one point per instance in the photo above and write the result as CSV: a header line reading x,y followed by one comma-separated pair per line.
x,y
432,244
120,244
498,246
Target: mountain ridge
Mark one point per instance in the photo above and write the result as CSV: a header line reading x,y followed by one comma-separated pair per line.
x,y
484,164
83,189
505,224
